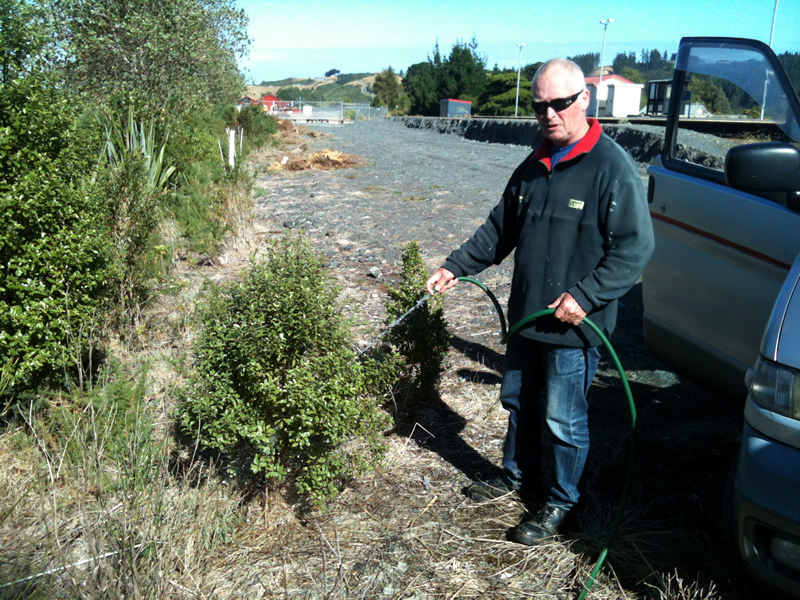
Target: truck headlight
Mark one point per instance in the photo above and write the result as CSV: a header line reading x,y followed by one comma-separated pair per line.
x,y
775,388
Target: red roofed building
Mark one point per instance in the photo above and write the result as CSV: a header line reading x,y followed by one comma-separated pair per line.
x,y
272,104
614,96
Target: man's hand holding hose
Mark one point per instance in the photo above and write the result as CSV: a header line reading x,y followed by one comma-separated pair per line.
x,y
567,309
441,281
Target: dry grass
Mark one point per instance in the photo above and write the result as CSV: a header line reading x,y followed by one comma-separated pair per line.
x,y
290,152
159,525
76,521
324,160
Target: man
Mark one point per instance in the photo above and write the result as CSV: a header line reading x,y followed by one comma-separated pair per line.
x,y
575,214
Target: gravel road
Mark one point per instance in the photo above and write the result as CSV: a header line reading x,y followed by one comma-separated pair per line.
x,y
414,185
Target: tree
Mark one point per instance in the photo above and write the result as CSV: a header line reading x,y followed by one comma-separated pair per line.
x,y
292,94
19,39
654,60
389,92
587,62
709,94
653,65
165,58
499,97
791,64
631,74
420,85
529,70
463,73
332,72
624,60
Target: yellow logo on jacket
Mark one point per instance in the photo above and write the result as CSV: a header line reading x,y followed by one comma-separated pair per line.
x,y
576,204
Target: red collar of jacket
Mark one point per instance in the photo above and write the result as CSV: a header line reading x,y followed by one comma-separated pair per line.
x,y
584,144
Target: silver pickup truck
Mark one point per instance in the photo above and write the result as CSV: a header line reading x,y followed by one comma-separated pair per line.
x,y
721,296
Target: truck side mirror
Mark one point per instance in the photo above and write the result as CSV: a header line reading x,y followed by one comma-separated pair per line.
x,y
764,167
792,201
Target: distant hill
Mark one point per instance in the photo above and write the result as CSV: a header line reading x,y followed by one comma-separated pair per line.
x,y
326,88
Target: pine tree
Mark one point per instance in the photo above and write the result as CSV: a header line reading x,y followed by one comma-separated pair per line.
x,y
389,92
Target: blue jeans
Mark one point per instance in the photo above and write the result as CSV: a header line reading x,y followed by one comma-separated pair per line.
x,y
551,382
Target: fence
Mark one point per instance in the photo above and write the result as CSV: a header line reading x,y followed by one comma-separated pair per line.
x,y
330,111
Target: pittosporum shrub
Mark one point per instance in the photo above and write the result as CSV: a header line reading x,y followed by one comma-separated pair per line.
x,y
56,265
275,377
421,338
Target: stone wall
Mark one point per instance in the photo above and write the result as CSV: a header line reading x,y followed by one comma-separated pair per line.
x,y
643,142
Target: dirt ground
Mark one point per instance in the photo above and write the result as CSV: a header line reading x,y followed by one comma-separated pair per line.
x,y
407,530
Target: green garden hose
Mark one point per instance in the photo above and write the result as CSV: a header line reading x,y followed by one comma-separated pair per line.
x,y
489,293
525,322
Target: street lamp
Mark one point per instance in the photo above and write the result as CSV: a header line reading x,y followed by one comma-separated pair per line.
x,y
604,23
771,34
519,67
774,16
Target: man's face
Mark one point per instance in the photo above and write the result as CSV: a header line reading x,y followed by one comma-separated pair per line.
x,y
567,126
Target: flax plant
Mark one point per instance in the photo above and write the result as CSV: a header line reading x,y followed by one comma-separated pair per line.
x,y
127,135
135,180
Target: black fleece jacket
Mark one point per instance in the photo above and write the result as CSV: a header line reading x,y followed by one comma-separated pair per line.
x,y
583,227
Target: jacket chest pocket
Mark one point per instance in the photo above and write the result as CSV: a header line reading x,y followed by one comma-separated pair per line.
x,y
570,202
569,209
562,208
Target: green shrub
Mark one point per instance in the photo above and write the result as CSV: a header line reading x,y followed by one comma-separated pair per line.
x,y
195,140
200,219
275,378
211,203
56,270
258,126
421,338
212,200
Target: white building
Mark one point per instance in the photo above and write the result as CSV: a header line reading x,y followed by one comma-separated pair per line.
x,y
615,96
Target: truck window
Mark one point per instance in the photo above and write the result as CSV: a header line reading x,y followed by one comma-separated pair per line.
x,y
729,96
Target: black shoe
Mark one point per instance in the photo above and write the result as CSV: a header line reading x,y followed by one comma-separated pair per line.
x,y
483,491
545,525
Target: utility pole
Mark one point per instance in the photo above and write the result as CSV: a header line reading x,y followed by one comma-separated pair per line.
x,y
519,67
604,23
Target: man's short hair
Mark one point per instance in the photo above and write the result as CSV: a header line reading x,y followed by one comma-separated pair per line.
x,y
572,72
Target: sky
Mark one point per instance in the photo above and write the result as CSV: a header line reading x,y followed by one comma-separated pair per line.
x,y
306,38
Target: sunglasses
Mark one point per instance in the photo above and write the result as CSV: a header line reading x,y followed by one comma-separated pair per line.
x,y
559,104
